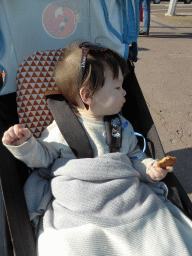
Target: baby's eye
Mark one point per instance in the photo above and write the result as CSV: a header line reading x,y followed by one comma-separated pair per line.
x,y
118,88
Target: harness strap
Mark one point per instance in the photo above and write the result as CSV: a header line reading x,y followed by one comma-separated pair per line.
x,y
69,125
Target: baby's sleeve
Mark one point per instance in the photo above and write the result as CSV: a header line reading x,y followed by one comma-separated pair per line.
x,y
38,152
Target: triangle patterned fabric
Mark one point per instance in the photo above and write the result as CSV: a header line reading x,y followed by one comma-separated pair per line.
x,y
34,77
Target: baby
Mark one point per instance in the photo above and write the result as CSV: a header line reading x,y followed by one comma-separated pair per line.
x,y
90,77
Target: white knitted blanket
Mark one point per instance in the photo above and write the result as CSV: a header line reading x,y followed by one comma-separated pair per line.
x,y
101,208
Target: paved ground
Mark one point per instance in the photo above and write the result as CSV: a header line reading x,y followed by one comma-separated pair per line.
x,y
164,71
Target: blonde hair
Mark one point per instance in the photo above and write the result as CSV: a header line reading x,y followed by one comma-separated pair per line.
x,y
67,70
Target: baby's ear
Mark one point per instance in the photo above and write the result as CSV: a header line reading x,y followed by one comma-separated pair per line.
x,y
86,95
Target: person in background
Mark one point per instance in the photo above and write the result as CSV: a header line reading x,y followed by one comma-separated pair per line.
x,y
146,20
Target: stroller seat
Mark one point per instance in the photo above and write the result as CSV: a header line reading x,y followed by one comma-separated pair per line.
x,y
34,77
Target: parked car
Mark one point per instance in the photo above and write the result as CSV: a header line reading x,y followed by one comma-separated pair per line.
x,y
158,1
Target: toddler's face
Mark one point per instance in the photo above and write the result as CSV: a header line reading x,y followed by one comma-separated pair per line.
x,y
110,98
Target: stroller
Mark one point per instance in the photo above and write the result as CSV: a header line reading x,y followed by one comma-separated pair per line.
x,y
17,234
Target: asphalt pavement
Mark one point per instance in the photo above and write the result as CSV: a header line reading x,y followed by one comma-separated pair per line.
x,y
164,72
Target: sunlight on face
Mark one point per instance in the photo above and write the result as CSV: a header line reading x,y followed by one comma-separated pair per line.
x,y
110,98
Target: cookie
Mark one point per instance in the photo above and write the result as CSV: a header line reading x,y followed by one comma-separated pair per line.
x,y
166,161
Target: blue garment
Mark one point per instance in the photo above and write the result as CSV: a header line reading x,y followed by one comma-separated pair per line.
x,y
1,40
146,4
111,28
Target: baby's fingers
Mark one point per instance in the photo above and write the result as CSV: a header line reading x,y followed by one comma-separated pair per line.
x,y
169,168
10,133
9,136
20,131
157,173
16,135
160,173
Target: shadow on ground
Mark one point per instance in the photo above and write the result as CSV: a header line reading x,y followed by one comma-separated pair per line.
x,y
170,35
183,168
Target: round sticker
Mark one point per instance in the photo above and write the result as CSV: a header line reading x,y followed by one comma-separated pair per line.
x,y
60,19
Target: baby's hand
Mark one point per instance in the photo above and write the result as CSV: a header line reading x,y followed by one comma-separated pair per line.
x,y
16,135
157,173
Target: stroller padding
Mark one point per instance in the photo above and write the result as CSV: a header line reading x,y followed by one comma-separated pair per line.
x,y
34,77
